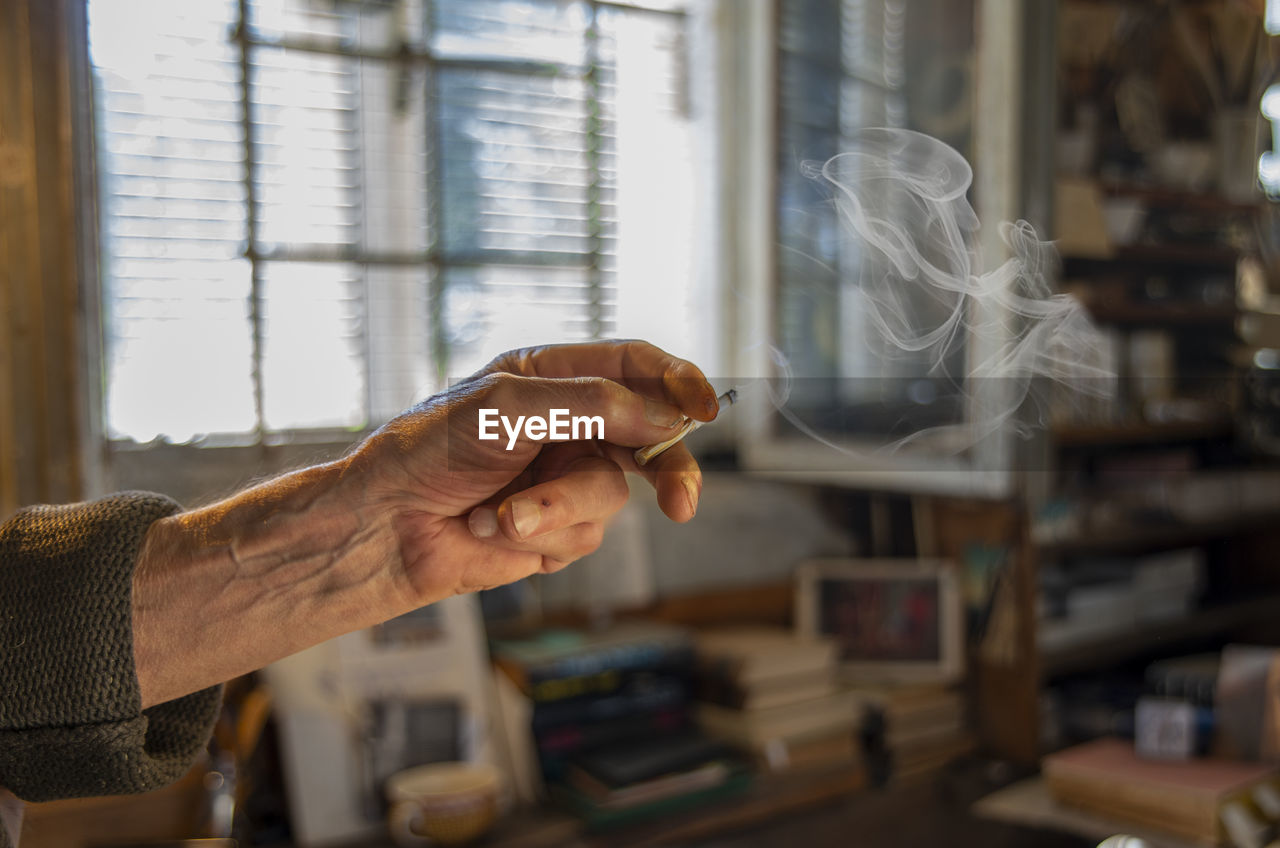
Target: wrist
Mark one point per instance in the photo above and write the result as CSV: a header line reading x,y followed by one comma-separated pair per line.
x,y
223,590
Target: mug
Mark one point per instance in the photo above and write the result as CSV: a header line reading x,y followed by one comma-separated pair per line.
x,y
442,803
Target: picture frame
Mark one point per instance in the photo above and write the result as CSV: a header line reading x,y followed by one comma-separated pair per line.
x,y
893,620
354,710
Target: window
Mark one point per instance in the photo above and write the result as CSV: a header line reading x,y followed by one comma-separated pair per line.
x,y
844,67
315,212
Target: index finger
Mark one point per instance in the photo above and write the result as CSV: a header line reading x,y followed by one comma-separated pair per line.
x,y
640,366
561,410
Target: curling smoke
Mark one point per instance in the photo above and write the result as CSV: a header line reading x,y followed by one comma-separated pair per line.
x,y
901,195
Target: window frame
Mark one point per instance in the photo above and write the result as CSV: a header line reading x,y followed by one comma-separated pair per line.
x,y
1003,135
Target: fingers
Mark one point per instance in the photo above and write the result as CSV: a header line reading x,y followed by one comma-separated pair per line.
x,y
551,552
638,365
674,474
562,519
492,565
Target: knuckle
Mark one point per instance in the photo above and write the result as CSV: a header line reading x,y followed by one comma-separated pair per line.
x,y
499,388
649,348
596,392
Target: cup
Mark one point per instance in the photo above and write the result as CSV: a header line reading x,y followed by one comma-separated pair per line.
x,y
442,803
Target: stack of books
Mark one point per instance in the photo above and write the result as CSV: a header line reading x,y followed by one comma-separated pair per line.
x,y
774,695
1205,800
643,778
611,720
912,731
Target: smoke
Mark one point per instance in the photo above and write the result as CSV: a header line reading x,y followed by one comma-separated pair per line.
x,y
921,295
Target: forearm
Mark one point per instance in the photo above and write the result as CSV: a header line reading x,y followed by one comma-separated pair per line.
x,y
229,588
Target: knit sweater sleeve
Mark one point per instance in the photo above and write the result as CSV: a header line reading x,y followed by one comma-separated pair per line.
x,y
71,722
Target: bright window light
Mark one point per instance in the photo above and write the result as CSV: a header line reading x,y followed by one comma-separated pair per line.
x,y
328,240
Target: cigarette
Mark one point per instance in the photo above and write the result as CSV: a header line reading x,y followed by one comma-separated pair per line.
x,y
646,455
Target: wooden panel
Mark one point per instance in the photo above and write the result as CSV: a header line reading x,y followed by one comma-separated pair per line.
x,y
41,410
1005,676
58,249
16,169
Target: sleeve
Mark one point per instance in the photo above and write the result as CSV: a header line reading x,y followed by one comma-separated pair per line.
x,y
71,722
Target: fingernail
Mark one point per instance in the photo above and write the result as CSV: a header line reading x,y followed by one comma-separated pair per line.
x,y
712,405
525,515
691,492
661,414
483,522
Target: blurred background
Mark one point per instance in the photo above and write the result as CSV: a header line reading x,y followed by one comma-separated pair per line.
x,y
238,235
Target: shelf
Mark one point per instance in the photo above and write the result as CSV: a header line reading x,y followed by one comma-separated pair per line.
x,y
1164,314
1181,254
1141,433
1110,648
1148,255
1183,201
1158,537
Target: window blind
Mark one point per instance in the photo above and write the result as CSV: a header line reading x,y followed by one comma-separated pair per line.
x,y
316,212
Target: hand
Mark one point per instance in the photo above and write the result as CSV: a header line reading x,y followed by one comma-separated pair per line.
x,y
468,514
421,510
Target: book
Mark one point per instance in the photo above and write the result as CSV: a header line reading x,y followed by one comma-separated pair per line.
x,y
626,764
1260,328
1184,797
519,755
598,817
559,664
635,693
753,729
572,738
704,776
913,764
903,702
903,711
718,689
809,754
750,656
923,735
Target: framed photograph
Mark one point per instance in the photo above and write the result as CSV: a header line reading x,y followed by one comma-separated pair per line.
x,y
892,620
